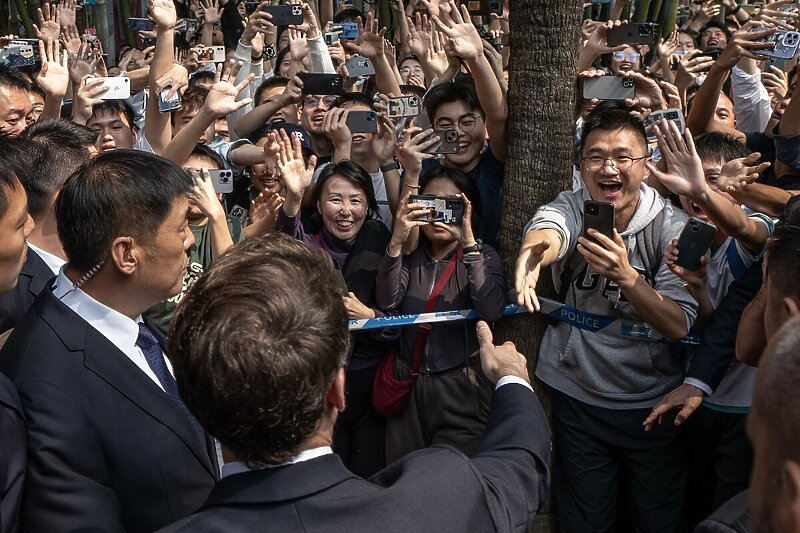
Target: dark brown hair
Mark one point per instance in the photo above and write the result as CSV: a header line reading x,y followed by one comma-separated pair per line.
x,y
256,344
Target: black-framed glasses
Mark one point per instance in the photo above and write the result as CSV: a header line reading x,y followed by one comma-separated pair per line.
x,y
465,123
313,101
594,163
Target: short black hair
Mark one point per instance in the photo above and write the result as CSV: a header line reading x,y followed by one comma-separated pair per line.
x,y
609,116
116,107
460,89
269,83
783,250
201,75
714,24
12,161
463,183
356,175
413,89
119,193
278,60
354,98
203,151
55,149
348,14
13,78
720,147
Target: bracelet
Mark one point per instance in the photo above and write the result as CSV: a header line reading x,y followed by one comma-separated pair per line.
x,y
407,184
394,165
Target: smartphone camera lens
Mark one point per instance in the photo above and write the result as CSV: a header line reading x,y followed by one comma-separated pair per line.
x,y
693,224
645,31
591,209
370,117
452,136
297,10
413,101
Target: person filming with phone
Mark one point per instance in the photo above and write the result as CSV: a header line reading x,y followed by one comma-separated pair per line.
x,y
606,243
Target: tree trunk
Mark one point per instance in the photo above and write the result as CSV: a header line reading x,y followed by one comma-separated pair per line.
x,y
545,40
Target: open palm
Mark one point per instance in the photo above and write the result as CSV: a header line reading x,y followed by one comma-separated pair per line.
x,y
463,35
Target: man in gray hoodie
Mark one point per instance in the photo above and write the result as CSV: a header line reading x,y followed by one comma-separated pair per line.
x,y
604,382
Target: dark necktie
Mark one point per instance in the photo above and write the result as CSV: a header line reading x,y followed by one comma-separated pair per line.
x,y
148,342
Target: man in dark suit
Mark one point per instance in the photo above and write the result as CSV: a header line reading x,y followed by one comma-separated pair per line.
x,y
111,446
15,226
53,150
260,362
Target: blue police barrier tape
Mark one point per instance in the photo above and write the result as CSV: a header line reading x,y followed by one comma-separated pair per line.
x,y
557,310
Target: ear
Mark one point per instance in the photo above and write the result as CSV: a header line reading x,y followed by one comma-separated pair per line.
x,y
123,254
790,475
336,393
319,206
792,306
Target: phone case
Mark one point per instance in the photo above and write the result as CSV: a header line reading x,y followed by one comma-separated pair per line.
x,y
672,114
362,121
315,83
222,180
173,104
285,15
406,106
634,33
349,30
359,66
786,44
442,209
484,7
609,88
694,242
141,24
448,142
17,56
119,88
598,216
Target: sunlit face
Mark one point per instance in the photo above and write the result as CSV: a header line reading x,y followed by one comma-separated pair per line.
x,y
471,132
343,207
610,183
15,226
15,110
266,178
439,187
685,43
713,39
184,117
625,61
221,129
113,130
314,108
37,106
411,67
724,111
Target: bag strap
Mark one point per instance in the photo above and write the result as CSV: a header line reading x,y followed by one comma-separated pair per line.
x,y
424,329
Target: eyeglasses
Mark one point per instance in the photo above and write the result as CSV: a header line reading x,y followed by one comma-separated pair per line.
x,y
465,123
630,56
311,102
622,164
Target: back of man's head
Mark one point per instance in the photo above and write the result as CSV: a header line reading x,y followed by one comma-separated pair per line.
x,y
56,148
11,78
12,161
719,147
256,357
120,193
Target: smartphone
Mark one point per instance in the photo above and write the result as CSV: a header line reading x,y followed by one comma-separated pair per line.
x,y
119,88
23,43
222,180
148,41
359,66
693,243
341,284
316,83
210,54
634,33
17,56
448,142
609,88
331,37
598,216
140,24
448,210
713,53
787,44
362,121
406,106
166,105
672,114
777,62
346,30
285,15
484,7
187,26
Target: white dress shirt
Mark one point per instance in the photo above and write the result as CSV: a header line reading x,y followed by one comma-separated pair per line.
x,y
120,330
53,261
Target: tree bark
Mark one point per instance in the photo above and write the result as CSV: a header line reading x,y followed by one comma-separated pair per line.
x,y
545,40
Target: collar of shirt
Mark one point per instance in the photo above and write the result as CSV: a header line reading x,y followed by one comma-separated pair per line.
x,y
53,261
237,467
113,325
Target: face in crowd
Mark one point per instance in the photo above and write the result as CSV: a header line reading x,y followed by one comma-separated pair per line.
x,y
626,60
16,110
471,128
113,130
313,112
15,226
343,207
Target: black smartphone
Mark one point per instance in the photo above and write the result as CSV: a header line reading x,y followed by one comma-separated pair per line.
x,y
362,121
609,88
693,243
633,33
315,83
448,210
285,15
141,24
448,142
341,284
598,216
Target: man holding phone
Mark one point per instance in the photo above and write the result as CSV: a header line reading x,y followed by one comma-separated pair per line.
x,y
603,383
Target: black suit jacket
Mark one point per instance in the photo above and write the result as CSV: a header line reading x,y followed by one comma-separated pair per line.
x,y
108,450
435,490
31,281
12,456
732,517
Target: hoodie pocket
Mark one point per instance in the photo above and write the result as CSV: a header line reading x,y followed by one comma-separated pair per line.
x,y
665,358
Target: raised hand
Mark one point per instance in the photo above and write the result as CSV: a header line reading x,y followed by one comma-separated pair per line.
x,y
499,361
383,142
745,43
404,222
163,13
461,232
295,173
264,211
684,175
370,39
298,45
690,67
66,11
412,152
694,279
203,195
53,77
737,174
310,25
257,22
648,94
527,274
418,37
776,82
334,126
211,11
462,34
49,27
176,78
221,99
71,39
86,98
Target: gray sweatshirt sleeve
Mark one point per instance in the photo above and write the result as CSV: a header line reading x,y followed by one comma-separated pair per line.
x,y
391,282
562,215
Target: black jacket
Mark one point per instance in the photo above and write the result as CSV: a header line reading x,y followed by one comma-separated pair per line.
x,y
31,281
12,456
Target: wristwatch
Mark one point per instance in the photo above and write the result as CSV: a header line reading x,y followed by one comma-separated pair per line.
x,y
476,248
269,51
394,165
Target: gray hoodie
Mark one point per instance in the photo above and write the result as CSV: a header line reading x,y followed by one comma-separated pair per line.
x,y
603,368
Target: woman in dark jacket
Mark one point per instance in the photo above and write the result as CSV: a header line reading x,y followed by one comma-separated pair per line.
x,y
356,242
450,400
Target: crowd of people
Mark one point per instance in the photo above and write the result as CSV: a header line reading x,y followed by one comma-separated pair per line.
x,y
188,232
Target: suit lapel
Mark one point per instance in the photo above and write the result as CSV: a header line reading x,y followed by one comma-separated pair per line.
x,y
112,366
39,272
280,484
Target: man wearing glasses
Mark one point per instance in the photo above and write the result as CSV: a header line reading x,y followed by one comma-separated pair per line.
x,y
312,113
603,383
